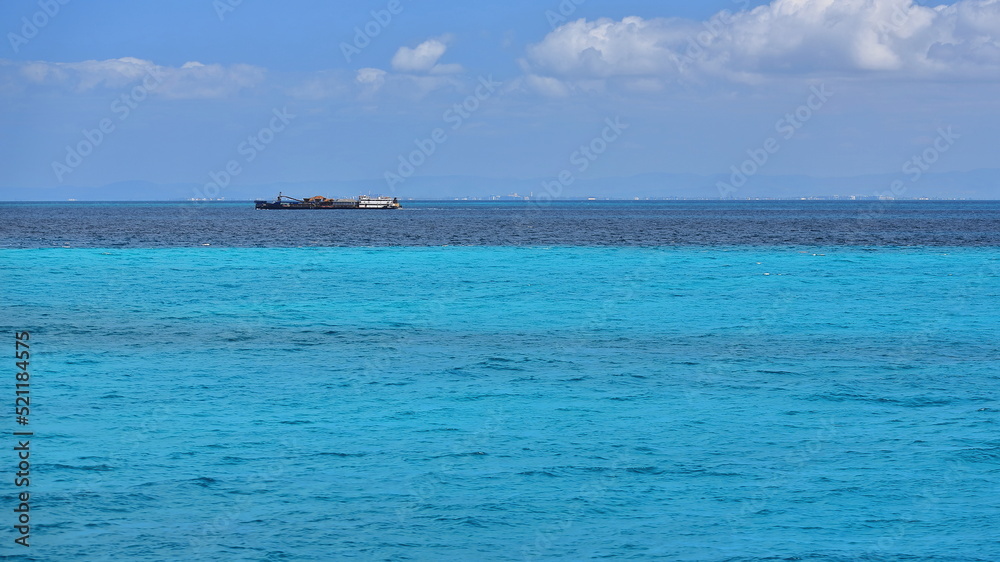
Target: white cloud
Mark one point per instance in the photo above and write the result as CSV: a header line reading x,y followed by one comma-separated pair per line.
x,y
415,74
326,84
372,83
371,76
424,58
191,80
196,80
419,59
371,79
814,38
548,86
603,48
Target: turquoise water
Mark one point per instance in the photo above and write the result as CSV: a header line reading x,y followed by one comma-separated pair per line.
x,y
503,403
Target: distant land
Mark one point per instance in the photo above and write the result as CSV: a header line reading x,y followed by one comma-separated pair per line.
x,y
975,184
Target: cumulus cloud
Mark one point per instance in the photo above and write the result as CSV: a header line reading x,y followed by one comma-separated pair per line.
x,y
415,73
785,37
603,48
424,58
191,80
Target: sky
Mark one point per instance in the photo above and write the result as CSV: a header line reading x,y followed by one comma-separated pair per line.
x,y
226,93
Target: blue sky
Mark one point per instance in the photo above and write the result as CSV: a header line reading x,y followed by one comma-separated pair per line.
x,y
185,88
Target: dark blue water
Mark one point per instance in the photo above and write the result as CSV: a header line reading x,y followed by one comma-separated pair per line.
x,y
590,223
739,381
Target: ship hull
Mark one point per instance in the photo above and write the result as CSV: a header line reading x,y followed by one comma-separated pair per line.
x,y
303,207
329,204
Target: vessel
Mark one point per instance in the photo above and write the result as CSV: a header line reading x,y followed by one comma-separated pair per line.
x,y
320,202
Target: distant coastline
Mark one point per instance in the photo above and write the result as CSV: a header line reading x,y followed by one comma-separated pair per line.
x,y
980,185
508,199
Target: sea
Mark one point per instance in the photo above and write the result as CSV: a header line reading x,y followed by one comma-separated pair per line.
x,y
510,381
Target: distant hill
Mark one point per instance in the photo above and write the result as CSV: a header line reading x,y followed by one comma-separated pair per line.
x,y
975,184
